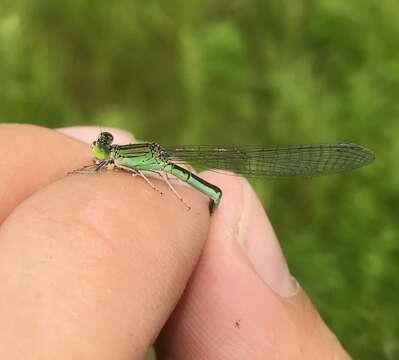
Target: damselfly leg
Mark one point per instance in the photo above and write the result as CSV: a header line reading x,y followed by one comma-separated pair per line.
x,y
90,169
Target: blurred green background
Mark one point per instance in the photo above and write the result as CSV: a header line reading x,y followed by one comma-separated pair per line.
x,y
242,72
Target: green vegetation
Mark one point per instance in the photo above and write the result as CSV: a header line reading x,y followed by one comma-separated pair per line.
x,y
242,72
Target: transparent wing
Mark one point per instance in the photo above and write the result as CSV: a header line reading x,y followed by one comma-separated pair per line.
x,y
278,161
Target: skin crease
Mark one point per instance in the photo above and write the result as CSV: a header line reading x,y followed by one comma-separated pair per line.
x,y
86,272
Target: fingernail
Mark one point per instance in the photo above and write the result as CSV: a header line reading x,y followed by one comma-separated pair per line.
x,y
257,238
89,133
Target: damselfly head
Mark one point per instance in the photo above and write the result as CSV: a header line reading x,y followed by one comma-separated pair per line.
x,y
102,146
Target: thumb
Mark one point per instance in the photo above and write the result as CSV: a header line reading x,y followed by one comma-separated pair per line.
x,y
242,302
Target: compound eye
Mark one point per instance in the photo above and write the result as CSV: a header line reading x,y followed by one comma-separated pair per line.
x,y
93,143
108,138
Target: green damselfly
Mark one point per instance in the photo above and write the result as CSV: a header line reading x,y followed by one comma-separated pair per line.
x,y
278,161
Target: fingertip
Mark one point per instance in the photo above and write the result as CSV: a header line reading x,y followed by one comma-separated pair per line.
x,y
39,157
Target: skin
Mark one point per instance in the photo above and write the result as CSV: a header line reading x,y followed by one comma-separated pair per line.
x,y
101,266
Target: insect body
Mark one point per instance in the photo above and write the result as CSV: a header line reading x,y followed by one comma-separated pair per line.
x,y
278,161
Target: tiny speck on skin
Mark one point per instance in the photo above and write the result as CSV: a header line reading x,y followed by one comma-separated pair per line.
x,y
46,259
237,324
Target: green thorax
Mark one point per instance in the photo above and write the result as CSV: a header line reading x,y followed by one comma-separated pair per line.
x,y
142,156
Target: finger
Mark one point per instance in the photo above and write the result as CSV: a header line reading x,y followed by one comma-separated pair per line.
x,y
241,302
91,267
32,157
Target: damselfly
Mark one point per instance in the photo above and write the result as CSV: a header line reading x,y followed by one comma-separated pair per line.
x,y
278,161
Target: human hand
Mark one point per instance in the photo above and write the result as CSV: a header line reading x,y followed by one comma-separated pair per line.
x,y
101,266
